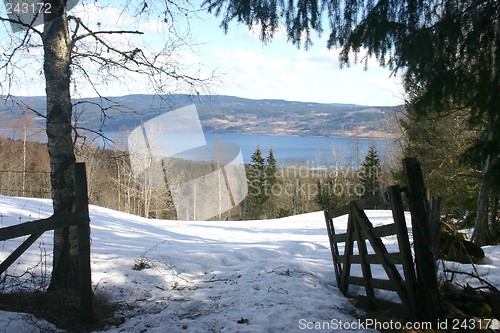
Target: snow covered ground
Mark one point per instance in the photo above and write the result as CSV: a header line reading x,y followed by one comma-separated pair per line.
x,y
247,276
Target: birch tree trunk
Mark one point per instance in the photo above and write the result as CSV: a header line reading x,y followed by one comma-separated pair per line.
x,y
57,55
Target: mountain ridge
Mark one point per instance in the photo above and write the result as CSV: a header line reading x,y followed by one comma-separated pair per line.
x,y
221,114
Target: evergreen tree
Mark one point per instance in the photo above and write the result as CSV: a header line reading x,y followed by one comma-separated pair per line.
x,y
258,176
448,53
270,169
269,208
261,175
325,197
370,172
257,194
438,143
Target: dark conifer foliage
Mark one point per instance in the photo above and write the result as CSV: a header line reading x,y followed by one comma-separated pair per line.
x,y
370,172
261,175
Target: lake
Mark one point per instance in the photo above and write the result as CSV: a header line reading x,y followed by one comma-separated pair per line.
x,y
315,151
288,150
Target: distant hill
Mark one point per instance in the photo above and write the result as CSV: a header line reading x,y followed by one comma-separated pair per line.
x,y
222,114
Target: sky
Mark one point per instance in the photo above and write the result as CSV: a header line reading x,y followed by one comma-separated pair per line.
x,y
280,70
242,64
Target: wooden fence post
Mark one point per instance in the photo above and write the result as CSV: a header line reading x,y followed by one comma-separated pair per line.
x,y
398,216
363,253
85,278
333,247
424,257
348,251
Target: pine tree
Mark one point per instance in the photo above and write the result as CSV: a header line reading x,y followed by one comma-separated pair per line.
x,y
438,142
270,169
256,176
269,206
370,172
325,197
261,177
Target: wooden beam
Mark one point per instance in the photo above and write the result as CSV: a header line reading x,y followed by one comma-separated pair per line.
x,y
340,211
380,249
348,251
424,257
364,203
398,215
363,252
40,226
374,259
383,230
18,252
375,283
339,238
333,247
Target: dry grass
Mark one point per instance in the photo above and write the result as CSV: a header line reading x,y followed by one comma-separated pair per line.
x,y
61,309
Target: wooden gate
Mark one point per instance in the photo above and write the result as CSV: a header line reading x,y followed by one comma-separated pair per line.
x,y
416,275
80,218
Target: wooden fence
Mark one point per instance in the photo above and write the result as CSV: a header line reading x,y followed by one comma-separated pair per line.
x,y
417,285
80,218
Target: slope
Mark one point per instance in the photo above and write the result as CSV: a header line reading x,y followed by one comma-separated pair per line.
x,y
249,276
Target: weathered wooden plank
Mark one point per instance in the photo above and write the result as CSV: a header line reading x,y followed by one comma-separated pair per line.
x,y
371,200
374,283
380,250
380,231
374,259
424,258
365,203
398,216
363,252
339,238
340,211
333,247
383,230
42,225
348,250
18,252
84,274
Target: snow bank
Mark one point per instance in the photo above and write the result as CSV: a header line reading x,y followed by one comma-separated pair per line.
x,y
247,276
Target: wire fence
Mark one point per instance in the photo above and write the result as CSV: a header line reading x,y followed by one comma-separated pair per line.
x,y
32,184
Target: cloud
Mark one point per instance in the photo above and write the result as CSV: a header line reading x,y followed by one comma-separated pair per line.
x,y
313,76
275,70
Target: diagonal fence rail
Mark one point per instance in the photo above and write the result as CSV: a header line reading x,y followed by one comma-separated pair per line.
x,y
416,285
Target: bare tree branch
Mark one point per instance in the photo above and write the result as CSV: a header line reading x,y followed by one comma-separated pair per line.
x,y
29,27
473,275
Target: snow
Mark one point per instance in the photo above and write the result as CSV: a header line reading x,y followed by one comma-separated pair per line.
x,y
245,276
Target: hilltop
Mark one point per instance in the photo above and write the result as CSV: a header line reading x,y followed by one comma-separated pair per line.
x,y
222,114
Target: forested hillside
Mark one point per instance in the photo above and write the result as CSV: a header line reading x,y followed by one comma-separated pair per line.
x,y
24,171
223,114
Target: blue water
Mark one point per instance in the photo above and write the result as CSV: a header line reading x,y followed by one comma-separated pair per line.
x,y
315,151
